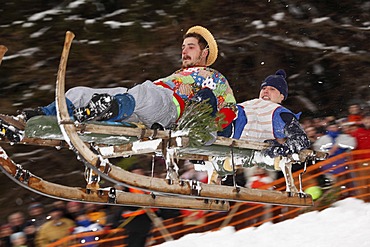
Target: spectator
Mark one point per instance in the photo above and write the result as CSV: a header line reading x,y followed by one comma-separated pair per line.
x,y
137,225
168,213
354,113
191,174
17,221
62,205
18,239
113,218
72,209
362,135
5,232
36,217
95,213
259,178
193,217
335,143
36,214
84,224
306,122
54,229
240,178
311,134
30,231
136,221
348,127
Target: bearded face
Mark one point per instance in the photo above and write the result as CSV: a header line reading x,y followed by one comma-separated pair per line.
x,y
192,55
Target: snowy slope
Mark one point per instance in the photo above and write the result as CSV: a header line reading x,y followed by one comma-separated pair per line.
x,y
346,223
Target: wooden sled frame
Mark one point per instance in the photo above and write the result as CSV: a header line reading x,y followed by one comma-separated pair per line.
x,y
186,188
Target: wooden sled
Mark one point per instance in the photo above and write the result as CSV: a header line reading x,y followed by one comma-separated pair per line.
x,y
90,143
94,134
186,188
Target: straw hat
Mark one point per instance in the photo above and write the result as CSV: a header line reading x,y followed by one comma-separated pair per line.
x,y
212,44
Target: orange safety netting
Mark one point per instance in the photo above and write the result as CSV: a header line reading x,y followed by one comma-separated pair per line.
x,y
353,182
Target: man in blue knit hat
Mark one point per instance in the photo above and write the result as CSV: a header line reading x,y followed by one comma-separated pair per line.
x,y
265,120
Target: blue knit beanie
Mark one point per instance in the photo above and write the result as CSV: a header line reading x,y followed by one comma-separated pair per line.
x,y
277,81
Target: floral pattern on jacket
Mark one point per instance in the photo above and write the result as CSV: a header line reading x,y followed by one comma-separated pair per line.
x,y
198,78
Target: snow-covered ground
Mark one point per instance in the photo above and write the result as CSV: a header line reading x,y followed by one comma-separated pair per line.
x,y
345,224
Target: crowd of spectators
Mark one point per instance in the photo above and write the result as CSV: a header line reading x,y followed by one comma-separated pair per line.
x,y
338,135
44,224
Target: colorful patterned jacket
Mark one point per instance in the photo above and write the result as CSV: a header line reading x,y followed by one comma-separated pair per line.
x,y
204,77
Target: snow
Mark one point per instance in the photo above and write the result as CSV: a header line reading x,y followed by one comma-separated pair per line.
x,y
23,53
39,32
42,15
344,224
116,24
278,16
75,4
321,19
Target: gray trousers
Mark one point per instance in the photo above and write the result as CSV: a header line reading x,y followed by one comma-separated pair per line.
x,y
153,104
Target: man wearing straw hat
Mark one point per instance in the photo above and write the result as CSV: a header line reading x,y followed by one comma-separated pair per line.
x,y
157,104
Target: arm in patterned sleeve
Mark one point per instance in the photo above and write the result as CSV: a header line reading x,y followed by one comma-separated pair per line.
x,y
200,78
226,102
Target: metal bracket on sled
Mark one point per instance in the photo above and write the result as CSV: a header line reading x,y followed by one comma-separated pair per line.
x,y
112,196
195,187
22,175
102,162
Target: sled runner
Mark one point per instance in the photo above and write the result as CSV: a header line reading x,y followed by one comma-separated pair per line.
x,y
110,195
95,142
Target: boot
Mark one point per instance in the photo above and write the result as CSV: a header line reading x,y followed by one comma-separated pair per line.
x,y
10,132
157,126
100,107
30,113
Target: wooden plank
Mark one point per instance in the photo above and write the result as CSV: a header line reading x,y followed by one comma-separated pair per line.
x,y
122,138
47,126
212,191
123,131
